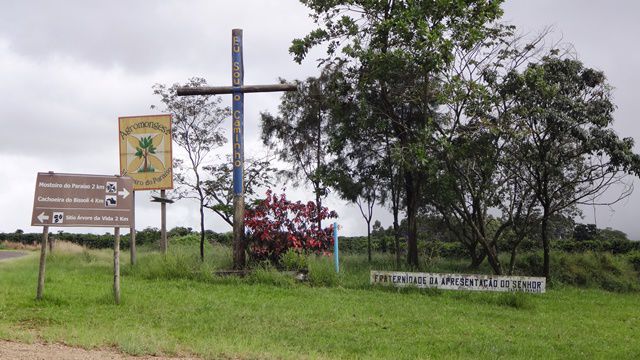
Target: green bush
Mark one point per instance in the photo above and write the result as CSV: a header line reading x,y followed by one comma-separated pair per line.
x,y
322,273
220,238
453,250
179,231
634,260
529,263
614,246
591,269
293,261
190,239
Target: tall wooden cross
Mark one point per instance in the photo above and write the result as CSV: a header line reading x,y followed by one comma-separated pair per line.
x,y
238,89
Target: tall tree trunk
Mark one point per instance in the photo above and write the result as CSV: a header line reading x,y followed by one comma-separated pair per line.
x,y
477,257
411,189
512,261
318,204
492,258
396,235
546,266
201,195
318,162
369,239
395,202
201,230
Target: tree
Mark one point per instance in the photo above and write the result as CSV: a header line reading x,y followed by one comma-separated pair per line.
x,y
359,184
258,173
196,129
299,134
477,147
366,201
566,151
584,232
393,52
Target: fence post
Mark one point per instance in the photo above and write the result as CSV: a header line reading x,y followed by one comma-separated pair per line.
x,y
336,247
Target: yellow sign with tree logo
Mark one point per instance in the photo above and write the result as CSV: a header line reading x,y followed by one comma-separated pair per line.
x,y
145,151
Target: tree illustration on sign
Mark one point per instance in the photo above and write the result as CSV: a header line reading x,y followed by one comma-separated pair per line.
x,y
143,150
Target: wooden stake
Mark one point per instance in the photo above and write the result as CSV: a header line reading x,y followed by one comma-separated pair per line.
x,y
52,243
163,223
116,265
132,233
43,261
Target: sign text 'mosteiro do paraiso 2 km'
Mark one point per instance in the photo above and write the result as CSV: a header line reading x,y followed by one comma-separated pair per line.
x,y
82,200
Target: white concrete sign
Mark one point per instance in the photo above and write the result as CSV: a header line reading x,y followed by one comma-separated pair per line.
x,y
459,281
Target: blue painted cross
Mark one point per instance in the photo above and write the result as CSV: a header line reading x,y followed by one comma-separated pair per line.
x,y
238,89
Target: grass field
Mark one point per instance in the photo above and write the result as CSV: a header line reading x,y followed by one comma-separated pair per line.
x,y
175,306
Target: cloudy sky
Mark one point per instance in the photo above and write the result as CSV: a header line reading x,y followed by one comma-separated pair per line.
x,y
69,69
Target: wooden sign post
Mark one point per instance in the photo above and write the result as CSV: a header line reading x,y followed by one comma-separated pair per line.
x,y
132,234
43,261
238,89
146,156
77,200
116,265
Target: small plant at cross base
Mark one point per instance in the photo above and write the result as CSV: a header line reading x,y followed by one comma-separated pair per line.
x,y
275,225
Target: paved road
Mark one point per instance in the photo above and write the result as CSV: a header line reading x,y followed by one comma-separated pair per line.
x,y
10,254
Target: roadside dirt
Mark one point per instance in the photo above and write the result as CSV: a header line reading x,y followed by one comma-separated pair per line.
x,y
19,351
10,254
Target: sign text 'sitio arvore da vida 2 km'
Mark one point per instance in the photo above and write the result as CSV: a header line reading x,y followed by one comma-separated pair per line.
x,y
145,151
79,200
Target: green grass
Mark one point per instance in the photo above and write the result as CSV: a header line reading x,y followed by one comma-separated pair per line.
x,y
175,305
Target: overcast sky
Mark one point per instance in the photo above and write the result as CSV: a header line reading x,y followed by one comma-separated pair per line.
x,y
69,69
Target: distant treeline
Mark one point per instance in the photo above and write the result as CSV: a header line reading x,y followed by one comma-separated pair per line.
x,y
358,244
149,235
584,238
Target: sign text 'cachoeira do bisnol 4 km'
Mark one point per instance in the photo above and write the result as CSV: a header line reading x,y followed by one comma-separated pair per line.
x,y
145,151
82,200
459,281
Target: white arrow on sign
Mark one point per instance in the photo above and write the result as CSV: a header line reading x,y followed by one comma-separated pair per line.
x,y
124,193
42,217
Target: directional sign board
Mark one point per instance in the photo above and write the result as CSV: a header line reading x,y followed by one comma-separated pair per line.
x,y
82,200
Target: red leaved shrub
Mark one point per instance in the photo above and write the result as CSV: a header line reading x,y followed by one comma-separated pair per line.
x,y
276,225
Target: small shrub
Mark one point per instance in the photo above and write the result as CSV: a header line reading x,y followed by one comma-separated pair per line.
x,y
179,231
292,260
322,273
88,256
190,239
220,238
453,250
610,282
634,260
594,269
276,224
530,263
